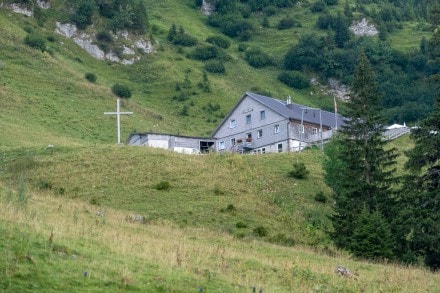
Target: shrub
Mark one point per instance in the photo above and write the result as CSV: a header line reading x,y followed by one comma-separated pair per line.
x,y
230,208
288,22
318,6
215,66
84,13
163,185
260,231
205,53
184,111
91,77
242,47
237,28
185,40
294,79
257,58
241,225
320,197
44,184
219,41
270,10
299,171
121,91
35,41
104,36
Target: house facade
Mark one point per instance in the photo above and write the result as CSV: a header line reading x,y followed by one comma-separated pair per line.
x,y
257,124
260,124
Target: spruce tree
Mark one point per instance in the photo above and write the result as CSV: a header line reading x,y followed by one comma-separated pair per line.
x,y
360,169
418,225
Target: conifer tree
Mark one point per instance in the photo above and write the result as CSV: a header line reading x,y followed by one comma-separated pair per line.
x,y
358,168
418,225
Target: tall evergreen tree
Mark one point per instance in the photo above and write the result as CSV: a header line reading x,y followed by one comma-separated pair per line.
x,y
419,208
359,168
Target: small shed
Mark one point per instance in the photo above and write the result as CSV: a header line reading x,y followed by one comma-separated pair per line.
x,y
177,143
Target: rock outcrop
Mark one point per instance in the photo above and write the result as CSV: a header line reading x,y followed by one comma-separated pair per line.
x,y
85,41
363,28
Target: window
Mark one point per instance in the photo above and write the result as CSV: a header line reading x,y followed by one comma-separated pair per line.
x,y
232,123
259,133
248,119
249,135
280,147
276,128
263,150
232,141
262,115
314,130
221,145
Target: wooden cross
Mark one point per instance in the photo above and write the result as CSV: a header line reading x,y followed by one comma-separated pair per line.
x,y
118,118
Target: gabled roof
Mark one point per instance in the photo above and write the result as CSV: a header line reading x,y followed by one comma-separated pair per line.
x,y
292,111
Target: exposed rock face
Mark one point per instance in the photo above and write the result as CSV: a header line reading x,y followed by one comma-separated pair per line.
x,y
67,29
340,91
207,8
363,28
21,10
43,4
85,41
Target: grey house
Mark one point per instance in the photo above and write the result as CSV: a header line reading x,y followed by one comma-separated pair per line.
x,y
261,124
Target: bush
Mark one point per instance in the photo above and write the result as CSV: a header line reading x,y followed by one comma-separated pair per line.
x,y
104,36
121,91
91,77
256,58
215,66
288,22
299,171
205,53
294,79
185,40
84,13
320,197
219,41
241,225
318,6
163,185
260,231
35,41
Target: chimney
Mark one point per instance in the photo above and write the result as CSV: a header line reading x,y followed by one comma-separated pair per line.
x,y
289,100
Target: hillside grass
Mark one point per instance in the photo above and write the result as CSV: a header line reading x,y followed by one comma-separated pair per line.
x,y
50,243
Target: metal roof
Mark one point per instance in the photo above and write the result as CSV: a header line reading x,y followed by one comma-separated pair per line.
x,y
294,111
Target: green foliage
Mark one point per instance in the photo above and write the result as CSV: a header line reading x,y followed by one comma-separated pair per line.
x,y
294,79
418,224
320,197
360,169
91,77
318,6
257,58
121,91
372,237
215,66
260,231
180,37
205,52
35,41
299,170
83,15
163,185
220,41
288,22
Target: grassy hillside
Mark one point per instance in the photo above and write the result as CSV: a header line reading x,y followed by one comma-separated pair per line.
x,y
222,222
